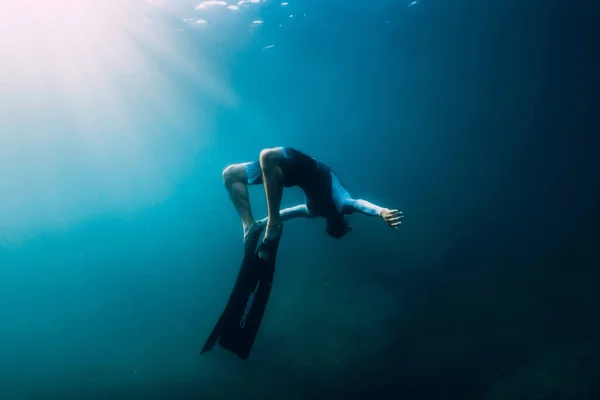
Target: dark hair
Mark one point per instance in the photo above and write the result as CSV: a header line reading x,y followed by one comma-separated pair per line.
x,y
337,227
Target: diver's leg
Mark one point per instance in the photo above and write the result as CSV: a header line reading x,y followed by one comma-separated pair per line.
x,y
273,182
235,179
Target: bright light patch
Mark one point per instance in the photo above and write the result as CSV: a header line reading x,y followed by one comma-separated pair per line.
x,y
233,7
94,117
284,4
201,21
254,1
257,22
209,3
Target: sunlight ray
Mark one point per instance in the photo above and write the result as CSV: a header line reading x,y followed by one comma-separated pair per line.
x,y
95,109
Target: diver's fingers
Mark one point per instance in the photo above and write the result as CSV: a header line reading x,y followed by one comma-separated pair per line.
x,y
395,219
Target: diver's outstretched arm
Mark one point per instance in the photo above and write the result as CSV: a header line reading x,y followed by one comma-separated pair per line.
x,y
361,206
391,217
299,211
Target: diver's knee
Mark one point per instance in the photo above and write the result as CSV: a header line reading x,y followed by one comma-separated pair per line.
x,y
233,173
270,157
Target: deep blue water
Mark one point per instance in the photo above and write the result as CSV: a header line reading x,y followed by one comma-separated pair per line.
x,y
468,116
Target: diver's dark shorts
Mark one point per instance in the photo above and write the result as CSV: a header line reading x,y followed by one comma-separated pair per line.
x,y
297,168
254,172
325,194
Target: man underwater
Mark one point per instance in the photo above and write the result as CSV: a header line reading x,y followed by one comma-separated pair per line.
x,y
326,197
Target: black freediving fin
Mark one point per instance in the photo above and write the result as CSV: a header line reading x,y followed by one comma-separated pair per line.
x,y
248,258
238,326
239,336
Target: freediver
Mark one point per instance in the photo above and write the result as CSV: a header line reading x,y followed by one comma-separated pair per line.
x,y
326,196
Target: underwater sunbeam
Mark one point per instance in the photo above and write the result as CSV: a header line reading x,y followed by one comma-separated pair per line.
x,y
100,109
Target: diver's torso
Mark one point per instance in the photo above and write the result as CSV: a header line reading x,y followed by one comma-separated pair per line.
x,y
314,178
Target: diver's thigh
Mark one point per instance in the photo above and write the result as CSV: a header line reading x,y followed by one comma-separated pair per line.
x,y
253,173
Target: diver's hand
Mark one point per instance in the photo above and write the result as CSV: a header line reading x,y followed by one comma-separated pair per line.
x,y
392,217
262,223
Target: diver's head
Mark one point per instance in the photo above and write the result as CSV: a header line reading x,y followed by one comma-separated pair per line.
x,y
337,227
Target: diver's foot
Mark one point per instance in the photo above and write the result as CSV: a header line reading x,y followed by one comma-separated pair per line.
x,y
274,231
270,241
250,230
247,230
251,239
